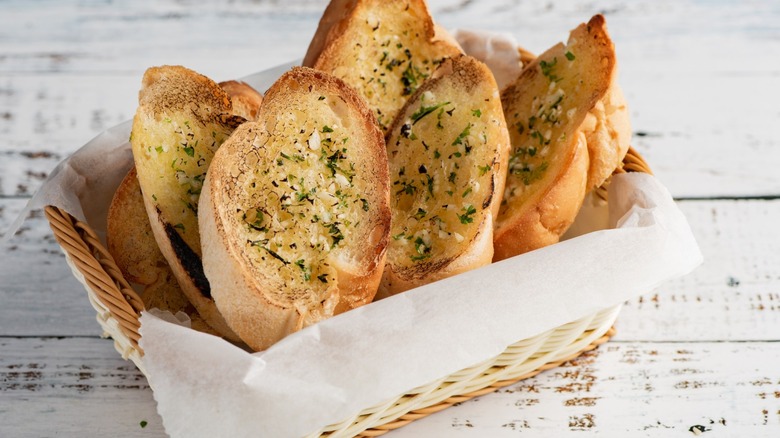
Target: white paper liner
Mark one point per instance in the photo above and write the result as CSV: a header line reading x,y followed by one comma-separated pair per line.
x,y
204,386
207,387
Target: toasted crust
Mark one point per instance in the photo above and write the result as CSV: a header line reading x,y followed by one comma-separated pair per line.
x,y
383,49
448,151
131,243
294,213
608,133
182,118
549,163
244,99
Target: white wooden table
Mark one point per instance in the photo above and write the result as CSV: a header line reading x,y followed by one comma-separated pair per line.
x,y
703,84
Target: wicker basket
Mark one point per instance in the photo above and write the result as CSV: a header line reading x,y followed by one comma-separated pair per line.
x,y
118,309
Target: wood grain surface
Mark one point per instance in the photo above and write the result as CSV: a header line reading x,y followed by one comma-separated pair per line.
x,y
699,354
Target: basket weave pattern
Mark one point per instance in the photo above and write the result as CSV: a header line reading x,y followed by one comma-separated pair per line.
x,y
119,307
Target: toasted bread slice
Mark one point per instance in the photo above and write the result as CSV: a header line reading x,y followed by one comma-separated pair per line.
x,y
549,163
132,244
294,213
385,49
448,153
182,119
244,99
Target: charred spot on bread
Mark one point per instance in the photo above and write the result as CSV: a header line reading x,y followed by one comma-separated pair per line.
x,y
189,260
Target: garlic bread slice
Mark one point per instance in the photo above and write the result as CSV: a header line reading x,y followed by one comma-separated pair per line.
x,y
384,49
545,110
131,243
182,119
448,154
294,214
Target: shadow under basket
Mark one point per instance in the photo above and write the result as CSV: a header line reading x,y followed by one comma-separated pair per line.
x,y
119,308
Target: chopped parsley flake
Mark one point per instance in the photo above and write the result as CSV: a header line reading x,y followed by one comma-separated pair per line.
x,y
273,254
407,187
335,233
547,68
429,183
423,250
466,218
425,110
465,133
306,271
476,113
569,56
411,77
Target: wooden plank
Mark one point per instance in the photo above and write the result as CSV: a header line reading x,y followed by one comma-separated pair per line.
x,y
78,386
102,37
40,296
72,387
56,37
633,389
733,296
43,118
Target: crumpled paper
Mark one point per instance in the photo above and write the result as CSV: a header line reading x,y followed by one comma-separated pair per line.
x,y
205,386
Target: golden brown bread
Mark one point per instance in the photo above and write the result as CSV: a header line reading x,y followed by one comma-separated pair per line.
x,y
384,49
131,243
568,133
448,153
182,119
294,215
245,100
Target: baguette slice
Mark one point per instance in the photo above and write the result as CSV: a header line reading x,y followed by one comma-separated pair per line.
x,y
385,49
294,213
131,243
244,99
448,152
556,157
182,119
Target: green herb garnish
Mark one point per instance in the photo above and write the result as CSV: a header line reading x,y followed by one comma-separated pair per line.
x,y
463,134
466,218
425,110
